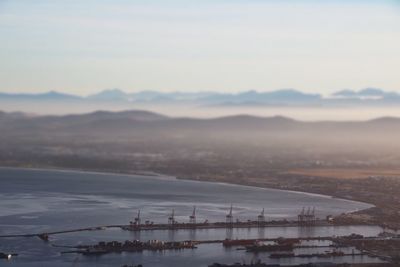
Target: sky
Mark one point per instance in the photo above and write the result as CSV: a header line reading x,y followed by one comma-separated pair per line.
x,y
82,47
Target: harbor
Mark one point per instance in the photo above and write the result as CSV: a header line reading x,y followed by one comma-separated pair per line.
x,y
306,218
277,247
47,222
309,247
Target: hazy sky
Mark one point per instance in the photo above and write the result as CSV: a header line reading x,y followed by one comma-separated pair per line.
x,y
226,45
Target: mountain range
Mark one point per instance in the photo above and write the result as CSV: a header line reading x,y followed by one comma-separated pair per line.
x,y
102,122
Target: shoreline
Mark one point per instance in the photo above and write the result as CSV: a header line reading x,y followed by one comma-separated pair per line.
x,y
97,172
173,178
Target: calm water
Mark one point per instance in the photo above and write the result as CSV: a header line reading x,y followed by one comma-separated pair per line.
x,y
37,200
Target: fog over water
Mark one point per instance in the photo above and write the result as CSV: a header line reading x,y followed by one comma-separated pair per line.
x,y
304,113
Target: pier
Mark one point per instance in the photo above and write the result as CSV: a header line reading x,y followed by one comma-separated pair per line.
x,y
277,247
281,244
130,246
306,218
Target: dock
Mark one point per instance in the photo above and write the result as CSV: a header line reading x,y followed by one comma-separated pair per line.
x,y
306,218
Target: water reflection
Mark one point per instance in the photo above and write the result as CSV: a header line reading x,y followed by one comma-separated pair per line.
x,y
192,234
229,233
171,234
304,231
261,232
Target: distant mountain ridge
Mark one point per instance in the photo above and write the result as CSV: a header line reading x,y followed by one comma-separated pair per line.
x,y
367,96
51,95
148,116
367,92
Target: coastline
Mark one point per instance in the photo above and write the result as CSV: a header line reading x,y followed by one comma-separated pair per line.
x,y
172,178
97,172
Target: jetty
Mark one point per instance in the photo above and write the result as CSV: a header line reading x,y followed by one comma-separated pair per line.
x,y
306,218
130,246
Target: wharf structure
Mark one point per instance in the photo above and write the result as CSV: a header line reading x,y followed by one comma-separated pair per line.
x,y
307,217
277,247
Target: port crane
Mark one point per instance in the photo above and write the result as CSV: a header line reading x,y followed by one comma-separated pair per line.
x,y
192,218
137,219
171,218
261,218
307,217
229,216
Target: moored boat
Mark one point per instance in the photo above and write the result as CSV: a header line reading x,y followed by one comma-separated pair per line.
x,y
237,242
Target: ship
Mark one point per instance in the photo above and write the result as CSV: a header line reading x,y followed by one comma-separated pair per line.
x,y
282,255
7,256
238,242
269,248
323,255
94,252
